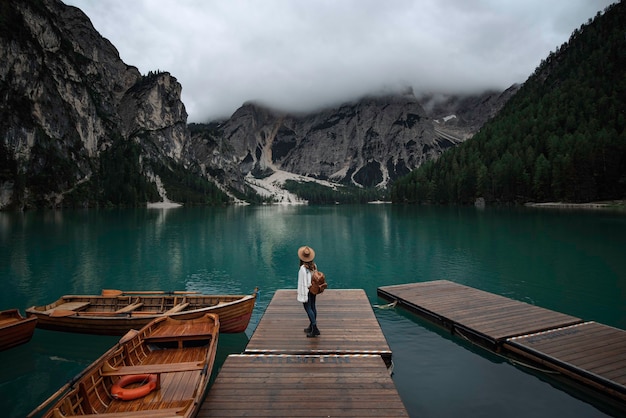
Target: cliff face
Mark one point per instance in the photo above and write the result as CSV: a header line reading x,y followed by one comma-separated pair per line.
x,y
79,127
65,97
367,143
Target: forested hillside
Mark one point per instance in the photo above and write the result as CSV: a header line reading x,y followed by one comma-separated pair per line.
x,y
560,138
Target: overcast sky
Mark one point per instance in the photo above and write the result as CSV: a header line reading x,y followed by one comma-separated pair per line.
x,y
299,55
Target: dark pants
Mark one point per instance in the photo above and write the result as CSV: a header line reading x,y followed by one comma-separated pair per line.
x,y
311,309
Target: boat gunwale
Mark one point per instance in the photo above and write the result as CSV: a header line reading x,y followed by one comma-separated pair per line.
x,y
15,314
18,322
41,309
15,329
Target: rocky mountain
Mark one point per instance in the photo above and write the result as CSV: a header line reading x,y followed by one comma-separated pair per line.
x,y
367,143
79,127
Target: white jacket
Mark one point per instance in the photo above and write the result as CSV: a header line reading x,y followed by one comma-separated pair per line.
x,y
304,282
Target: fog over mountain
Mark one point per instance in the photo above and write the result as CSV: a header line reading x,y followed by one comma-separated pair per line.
x,y
301,56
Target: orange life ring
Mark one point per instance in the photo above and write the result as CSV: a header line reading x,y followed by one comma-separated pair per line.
x,y
119,392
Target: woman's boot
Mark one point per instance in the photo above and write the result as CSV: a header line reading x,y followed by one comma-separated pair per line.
x,y
308,329
314,332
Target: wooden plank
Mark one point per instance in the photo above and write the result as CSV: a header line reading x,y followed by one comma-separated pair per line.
x,y
490,318
267,385
69,306
129,308
589,352
154,368
177,308
346,321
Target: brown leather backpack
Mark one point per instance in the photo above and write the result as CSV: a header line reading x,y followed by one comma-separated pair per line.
x,y
318,282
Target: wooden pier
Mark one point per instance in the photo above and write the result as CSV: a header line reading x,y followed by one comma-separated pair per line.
x,y
589,353
342,373
345,319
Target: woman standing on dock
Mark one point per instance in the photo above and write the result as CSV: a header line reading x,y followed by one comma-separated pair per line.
x,y
306,256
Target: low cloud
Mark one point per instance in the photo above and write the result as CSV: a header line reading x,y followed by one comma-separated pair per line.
x,y
299,56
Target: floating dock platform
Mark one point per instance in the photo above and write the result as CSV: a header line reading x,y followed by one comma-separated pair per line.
x,y
586,352
342,373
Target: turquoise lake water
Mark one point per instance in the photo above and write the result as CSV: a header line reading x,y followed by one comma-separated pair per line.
x,y
569,261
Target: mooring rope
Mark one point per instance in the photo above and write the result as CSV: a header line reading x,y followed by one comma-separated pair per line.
x,y
508,359
387,306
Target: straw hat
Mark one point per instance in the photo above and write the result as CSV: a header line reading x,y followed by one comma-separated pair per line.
x,y
306,253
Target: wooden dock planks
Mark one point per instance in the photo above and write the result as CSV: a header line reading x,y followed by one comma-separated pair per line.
x,y
345,319
282,373
488,317
590,352
303,386
587,352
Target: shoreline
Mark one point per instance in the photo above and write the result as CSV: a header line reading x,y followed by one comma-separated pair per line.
x,y
610,204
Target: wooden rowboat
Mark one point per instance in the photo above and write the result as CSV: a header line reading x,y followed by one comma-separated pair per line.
x,y
169,360
15,329
115,312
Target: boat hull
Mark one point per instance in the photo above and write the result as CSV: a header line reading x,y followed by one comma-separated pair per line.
x,y
176,355
234,316
15,329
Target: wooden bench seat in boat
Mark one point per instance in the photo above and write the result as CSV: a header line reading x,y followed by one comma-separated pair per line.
x,y
152,413
173,337
113,313
177,308
7,321
129,308
187,366
69,306
178,334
